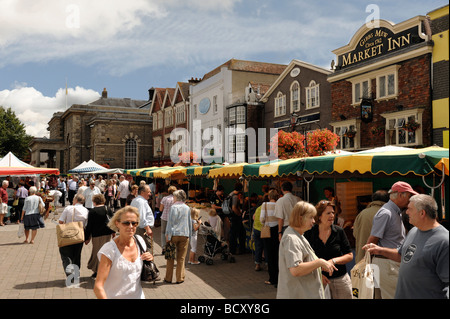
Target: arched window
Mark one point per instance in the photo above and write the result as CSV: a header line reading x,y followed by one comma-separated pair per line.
x,y
130,154
312,95
295,97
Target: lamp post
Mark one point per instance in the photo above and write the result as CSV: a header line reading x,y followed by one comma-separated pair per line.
x,y
159,156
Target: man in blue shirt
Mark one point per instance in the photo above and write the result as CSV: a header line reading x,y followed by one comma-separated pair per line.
x,y
388,231
147,220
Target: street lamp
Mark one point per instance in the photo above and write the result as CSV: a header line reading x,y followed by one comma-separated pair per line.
x,y
159,156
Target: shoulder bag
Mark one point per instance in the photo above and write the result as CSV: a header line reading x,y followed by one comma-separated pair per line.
x,y
149,270
265,231
70,233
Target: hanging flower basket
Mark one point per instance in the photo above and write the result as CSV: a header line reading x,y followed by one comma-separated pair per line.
x,y
321,141
287,145
411,126
187,158
350,134
378,131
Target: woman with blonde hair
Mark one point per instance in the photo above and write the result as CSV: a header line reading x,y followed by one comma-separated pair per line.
x,y
120,267
299,268
196,222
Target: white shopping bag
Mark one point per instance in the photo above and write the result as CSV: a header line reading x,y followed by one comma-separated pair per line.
x,y
362,275
21,231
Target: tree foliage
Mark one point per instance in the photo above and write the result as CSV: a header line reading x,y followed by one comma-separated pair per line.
x,y
13,137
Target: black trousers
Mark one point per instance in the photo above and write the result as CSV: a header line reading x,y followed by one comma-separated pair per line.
x,y
71,194
272,244
71,255
237,235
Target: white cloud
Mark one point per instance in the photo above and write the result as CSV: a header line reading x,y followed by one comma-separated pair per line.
x,y
35,110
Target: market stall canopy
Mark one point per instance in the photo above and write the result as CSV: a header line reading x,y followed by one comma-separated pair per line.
x,y
385,160
87,167
11,165
229,171
166,172
143,171
201,170
108,171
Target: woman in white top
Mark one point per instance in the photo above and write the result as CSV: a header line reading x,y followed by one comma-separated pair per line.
x,y
267,217
119,271
31,217
300,275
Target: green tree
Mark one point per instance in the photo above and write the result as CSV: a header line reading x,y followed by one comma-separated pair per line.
x,y
13,137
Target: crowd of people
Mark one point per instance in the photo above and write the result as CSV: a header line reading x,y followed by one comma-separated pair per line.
x,y
306,249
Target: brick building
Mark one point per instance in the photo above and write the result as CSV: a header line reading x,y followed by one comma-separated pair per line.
x,y
113,131
381,87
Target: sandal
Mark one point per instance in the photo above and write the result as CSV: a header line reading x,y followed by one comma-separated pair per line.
x,y
267,282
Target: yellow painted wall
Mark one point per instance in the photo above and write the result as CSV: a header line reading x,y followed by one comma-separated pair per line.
x,y
440,50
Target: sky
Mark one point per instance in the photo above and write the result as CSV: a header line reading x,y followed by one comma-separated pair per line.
x,y
130,46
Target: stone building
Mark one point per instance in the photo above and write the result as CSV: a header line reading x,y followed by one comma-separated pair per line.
x,y
113,131
381,87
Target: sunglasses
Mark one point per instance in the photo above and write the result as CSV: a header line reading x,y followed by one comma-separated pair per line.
x,y
128,223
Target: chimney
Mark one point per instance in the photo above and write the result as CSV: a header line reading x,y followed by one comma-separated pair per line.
x,y
151,92
193,81
104,94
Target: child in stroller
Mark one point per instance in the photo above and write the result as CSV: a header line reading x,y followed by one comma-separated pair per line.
x,y
213,245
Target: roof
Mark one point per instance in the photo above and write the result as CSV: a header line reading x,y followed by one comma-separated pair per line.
x,y
248,66
118,102
288,69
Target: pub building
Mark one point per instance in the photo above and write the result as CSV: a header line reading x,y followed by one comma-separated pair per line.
x,y
381,86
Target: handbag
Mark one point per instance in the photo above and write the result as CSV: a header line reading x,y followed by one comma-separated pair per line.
x,y
149,270
170,251
265,231
362,276
70,233
16,202
41,209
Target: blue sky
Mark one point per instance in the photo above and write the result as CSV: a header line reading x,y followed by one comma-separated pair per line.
x,y
130,46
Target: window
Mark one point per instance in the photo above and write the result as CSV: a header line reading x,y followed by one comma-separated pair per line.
x,y
312,95
280,104
397,132
232,116
348,132
240,143
195,112
386,86
156,146
215,108
130,154
361,90
180,114
168,118
160,120
155,121
240,115
295,97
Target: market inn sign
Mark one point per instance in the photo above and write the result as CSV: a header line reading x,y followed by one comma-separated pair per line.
x,y
368,44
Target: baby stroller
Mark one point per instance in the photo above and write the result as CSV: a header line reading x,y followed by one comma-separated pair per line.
x,y
213,246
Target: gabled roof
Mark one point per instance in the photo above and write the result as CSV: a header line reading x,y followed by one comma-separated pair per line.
x,y
294,63
168,97
181,92
158,99
248,66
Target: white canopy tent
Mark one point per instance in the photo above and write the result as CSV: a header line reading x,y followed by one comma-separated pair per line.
x,y
87,167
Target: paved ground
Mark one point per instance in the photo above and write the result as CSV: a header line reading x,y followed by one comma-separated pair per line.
x,y
34,271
